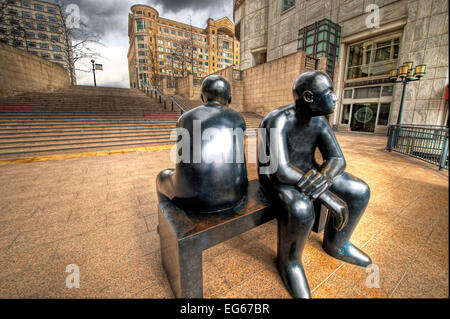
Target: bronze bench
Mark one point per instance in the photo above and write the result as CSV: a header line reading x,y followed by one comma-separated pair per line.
x,y
183,236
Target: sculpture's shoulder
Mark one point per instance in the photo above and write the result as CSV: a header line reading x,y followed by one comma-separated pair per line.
x,y
278,116
213,114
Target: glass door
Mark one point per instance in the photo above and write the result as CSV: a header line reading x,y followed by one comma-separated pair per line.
x,y
364,117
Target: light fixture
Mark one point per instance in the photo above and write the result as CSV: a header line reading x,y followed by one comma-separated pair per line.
x,y
407,73
403,72
409,64
393,74
421,70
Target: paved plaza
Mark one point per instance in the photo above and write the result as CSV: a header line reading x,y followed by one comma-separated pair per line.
x,y
100,213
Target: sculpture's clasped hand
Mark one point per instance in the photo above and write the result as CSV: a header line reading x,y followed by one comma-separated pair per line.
x,y
313,184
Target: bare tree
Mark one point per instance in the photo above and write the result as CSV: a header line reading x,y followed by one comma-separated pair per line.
x,y
78,42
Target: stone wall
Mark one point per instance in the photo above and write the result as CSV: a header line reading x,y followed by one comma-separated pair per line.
x,y
267,86
22,72
425,41
187,89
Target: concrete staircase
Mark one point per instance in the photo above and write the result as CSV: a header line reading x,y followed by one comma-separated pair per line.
x,y
85,119
81,119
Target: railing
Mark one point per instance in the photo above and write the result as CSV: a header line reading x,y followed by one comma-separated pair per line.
x,y
428,143
164,98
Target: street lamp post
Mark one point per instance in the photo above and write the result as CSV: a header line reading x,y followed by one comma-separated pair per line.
x,y
406,73
93,70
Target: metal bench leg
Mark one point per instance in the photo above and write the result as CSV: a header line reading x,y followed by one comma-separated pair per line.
x,y
182,262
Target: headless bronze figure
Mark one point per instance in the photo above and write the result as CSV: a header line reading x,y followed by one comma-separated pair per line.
x,y
200,184
299,180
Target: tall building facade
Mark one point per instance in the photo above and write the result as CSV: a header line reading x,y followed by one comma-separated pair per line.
x,y
368,40
34,26
162,47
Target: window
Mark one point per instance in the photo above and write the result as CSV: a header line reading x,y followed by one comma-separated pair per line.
x,y
40,17
27,15
28,24
376,57
287,4
173,32
140,38
52,19
180,34
45,55
345,118
142,46
56,47
30,35
44,46
348,94
140,25
55,38
42,36
57,56
31,44
54,29
371,92
38,7
383,114
25,4
13,12
51,10
387,90
41,27
166,30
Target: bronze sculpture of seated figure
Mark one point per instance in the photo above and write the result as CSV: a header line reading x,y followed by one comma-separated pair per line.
x,y
293,133
213,176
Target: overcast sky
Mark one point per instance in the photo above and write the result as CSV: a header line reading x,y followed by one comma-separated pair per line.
x,y
109,19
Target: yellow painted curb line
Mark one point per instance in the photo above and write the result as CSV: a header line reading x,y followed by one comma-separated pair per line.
x,y
88,154
82,155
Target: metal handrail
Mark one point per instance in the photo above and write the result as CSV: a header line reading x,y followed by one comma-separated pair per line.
x,y
164,97
426,142
180,105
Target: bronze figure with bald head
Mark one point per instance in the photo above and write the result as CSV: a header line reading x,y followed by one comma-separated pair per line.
x,y
293,133
212,177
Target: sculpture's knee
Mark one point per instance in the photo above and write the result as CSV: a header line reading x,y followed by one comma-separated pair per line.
x,y
164,184
163,176
302,211
361,192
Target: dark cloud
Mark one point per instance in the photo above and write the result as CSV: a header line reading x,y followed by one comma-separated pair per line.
x,y
111,16
176,6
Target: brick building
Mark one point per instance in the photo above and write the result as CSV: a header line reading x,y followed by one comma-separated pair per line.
x,y
162,47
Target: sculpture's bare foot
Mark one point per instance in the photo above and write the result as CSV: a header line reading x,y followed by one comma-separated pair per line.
x,y
348,253
294,279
